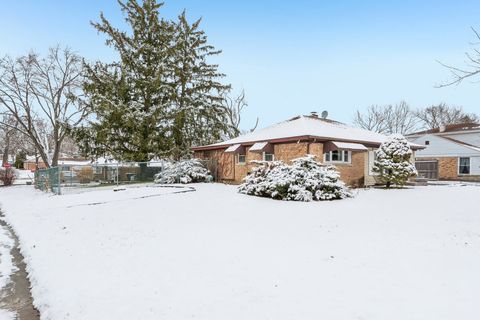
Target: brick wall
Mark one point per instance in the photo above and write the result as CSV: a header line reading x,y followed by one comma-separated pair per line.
x,y
316,149
241,170
448,168
286,152
353,173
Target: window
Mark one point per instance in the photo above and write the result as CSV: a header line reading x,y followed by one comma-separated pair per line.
x,y
241,158
427,142
337,156
268,157
464,166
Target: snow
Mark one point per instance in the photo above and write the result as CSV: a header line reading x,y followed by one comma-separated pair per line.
x,y
302,126
217,254
7,267
233,148
349,146
303,180
7,315
185,171
6,263
259,146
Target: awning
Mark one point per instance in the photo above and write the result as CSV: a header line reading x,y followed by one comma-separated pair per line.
x,y
337,145
236,148
262,147
350,146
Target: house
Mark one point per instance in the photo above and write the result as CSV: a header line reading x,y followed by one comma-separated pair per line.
x,y
350,149
452,152
31,163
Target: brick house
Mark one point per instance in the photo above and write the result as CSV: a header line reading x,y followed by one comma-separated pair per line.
x,y
350,149
451,152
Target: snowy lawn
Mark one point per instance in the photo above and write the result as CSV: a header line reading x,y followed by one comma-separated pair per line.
x,y
216,254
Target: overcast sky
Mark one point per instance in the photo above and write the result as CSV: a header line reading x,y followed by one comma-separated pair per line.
x,y
291,57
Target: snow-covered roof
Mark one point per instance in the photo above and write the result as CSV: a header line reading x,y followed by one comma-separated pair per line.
x,y
74,162
307,127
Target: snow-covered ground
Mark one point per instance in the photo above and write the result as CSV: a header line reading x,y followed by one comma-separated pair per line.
x,y
216,254
7,267
24,176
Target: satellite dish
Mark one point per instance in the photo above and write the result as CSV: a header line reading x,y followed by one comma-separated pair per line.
x,y
324,114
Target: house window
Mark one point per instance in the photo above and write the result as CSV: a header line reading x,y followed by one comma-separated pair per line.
x,y
464,166
268,156
241,159
427,143
339,156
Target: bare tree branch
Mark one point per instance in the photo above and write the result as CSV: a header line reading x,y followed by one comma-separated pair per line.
x,y
471,69
44,97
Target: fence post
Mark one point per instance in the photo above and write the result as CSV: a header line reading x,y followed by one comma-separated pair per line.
x,y
59,181
117,174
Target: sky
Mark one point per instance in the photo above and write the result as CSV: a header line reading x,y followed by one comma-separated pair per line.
x,y
290,57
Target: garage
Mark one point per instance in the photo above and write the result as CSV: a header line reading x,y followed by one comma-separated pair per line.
x,y
427,169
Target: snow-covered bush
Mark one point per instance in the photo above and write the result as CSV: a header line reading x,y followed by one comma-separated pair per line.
x,y
304,180
7,175
393,162
186,171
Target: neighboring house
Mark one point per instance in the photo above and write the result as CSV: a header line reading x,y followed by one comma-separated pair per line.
x,y
350,149
452,152
31,163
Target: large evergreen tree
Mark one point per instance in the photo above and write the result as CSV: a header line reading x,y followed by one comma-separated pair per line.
x,y
130,97
161,97
199,115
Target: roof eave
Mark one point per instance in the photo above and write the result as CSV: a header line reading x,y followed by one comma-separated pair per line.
x,y
291,139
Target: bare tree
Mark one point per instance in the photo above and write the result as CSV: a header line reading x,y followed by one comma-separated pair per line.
x,y
443,114
234,108
471,68
36,90
12,140
5,138
388,119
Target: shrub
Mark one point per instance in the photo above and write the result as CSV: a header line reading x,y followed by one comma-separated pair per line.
x,y
393,162
186,171
7,175
304,180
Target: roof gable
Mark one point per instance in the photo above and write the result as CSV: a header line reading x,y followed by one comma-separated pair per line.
x,y
458,127
444,146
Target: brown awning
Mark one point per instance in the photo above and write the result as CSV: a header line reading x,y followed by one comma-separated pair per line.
x,y
336,145
262,147
236,148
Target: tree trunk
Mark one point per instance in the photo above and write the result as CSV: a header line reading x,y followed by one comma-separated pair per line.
x,y
5,152
56,155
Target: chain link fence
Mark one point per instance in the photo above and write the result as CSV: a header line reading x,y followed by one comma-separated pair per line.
x,y
67,177
48,180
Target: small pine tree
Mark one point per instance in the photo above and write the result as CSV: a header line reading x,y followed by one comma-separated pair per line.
x,y
393,162
19,159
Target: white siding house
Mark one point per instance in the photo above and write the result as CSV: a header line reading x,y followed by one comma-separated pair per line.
x,y
450,153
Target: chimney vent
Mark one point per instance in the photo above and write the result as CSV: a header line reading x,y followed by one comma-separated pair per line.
x,y
314,114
